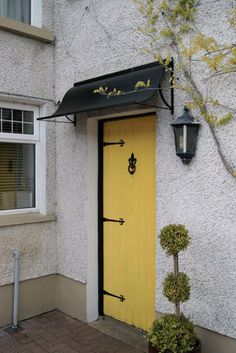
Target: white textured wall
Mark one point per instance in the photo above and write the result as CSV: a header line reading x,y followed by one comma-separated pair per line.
x,y
27,65
98,37
72,201
202,196
37,245
93,38
27,68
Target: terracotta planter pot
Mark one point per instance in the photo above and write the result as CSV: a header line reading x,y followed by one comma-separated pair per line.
x,y
197,349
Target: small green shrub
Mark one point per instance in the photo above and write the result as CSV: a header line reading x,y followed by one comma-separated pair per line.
x,y
172,333
174,238
176,288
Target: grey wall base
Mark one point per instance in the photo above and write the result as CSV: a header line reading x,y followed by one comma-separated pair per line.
x,y
71,297
47,293
213,342
44,294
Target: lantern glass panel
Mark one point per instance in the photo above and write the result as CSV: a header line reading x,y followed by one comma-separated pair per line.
x,y
179,138
192,138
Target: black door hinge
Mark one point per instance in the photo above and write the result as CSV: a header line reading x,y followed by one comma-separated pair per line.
x,y
120,220
121,143
120,297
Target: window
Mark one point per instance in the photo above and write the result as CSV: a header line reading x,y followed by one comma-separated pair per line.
x,y
19,149
27,11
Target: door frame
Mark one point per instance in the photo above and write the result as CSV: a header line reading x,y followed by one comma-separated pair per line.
x,y
100,222
100,201
93,237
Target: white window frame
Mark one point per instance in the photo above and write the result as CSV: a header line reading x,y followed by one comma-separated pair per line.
x,y
38,139
36,13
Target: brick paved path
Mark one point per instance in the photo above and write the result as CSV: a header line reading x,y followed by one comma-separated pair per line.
x,y
56,332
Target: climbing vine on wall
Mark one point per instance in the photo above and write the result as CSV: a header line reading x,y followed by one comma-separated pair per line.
x,y
171,30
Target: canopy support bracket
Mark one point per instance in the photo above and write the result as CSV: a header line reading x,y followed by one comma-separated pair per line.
x,y
160,90
171,105
73,121
70,121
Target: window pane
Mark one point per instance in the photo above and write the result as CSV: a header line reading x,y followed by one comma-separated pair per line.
x,y
17,115
6,126
28,129
17,128
16,121
5,123
16,9
28,122
17,176
3,8
6,114
28,116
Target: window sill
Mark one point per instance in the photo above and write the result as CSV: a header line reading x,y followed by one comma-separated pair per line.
x,y
24,218
23,29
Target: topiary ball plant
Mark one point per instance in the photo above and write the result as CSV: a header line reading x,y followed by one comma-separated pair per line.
x,y
174,238
177,288
174,333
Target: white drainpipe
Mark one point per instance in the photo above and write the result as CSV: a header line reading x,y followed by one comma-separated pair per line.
x,y
16,255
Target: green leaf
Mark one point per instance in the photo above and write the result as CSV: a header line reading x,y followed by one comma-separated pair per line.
x,y
164,6
185,28
140,84
166,32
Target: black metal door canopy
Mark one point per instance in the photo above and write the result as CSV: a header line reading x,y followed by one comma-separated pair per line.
x,y
81,98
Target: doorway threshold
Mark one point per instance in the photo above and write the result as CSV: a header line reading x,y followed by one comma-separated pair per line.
x,y
122,332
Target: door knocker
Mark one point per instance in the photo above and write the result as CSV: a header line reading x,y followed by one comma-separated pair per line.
x,y
132,164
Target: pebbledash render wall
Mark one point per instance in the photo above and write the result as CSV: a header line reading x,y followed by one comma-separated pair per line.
x,y
27,77
99,37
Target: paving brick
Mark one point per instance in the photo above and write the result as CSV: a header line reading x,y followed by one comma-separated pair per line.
x,y
62,347
7,349
30,347
73,344
55,332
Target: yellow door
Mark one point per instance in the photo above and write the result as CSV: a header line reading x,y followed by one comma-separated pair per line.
x,y
129,198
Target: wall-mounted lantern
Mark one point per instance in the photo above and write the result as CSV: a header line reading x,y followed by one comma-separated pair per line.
x,y
186,132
